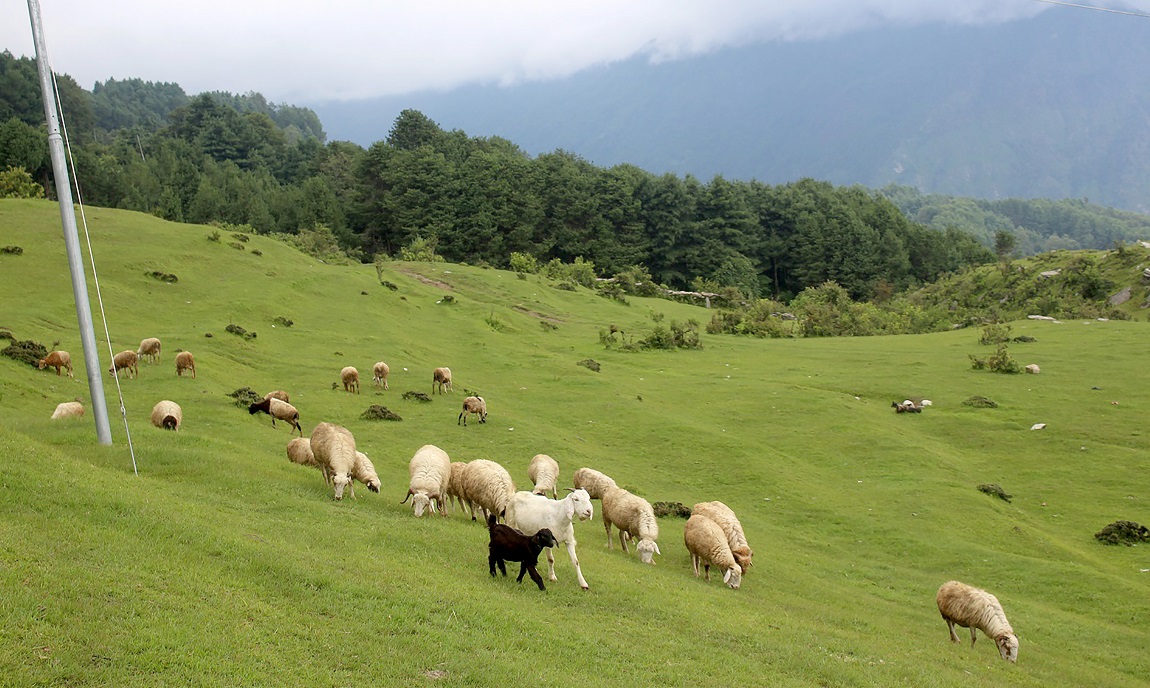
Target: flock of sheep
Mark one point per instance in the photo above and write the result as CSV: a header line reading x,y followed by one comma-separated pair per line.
x,y
533,522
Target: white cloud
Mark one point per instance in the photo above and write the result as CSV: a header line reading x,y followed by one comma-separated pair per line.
x,y
349,49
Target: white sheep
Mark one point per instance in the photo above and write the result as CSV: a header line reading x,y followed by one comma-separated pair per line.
x,y
723,515
1033,369
441,380
277,410
68,409
487,486
278,394
350,378
430,471
472,405
530,512
334,448
167,415
635,518
57,360
973,608
299,451
129,360
363,470
455,484
185,361
708,545
150,349
543,472
379,373
593,481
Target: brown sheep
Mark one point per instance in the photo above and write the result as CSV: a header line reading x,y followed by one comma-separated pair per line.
x,y
150,349
350,378
185,361
57,360
380,372
441,380
127,359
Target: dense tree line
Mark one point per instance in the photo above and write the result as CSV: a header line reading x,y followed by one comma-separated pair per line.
x,y
221,158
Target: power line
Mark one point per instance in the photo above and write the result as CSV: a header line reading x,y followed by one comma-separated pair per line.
x,y
1093,7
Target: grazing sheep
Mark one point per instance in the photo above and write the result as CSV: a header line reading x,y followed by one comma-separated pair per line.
x,y
486,486
277,410
543,472
907,406
441,380
593,481
278,394
363,470
167,415
973,608
708,545
334,449
299,451
379,373
1033,369
430,471
57,360
472,405
530,513
723,515
509,544
634,518
185,361
129,360
68,409
454,484
350,378
150,349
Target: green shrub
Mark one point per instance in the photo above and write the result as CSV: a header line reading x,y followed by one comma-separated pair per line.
x,y
524,263
995,333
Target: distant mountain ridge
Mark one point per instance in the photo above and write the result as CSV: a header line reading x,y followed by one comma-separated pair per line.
x,y
1057,106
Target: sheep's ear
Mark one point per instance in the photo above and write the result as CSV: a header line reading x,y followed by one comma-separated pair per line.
x,y
727,576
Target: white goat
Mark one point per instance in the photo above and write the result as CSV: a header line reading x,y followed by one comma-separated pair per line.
x,y
530,512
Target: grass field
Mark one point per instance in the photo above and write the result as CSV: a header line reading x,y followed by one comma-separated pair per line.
x,y
222,563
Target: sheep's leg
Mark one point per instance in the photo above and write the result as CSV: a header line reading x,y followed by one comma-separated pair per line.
x,y
575,563
973,631
624,536
534,574
551,565
707,572
950,627
695,563
607,527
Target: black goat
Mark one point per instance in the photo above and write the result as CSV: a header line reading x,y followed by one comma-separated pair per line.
x,y
509,544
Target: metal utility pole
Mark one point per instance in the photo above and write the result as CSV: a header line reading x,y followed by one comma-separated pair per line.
x,y
71,236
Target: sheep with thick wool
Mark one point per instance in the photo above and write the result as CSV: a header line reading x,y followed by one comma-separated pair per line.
x,y
349,376
724,516
543,472
125,360
278,394
185,361
379,373
454,486
472,405
277,409
441,380
635,518
167,415
708,545
363,470
487,486
973,608
531,513
68,409
57,360
593,481
150,349
430,473
334,449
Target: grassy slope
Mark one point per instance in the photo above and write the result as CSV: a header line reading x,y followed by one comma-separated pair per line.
x,y
223,563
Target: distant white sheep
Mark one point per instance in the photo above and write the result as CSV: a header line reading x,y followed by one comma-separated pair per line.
x,y
430,470
708,545
379,373
973,608
126,360
150,349
1033,369
530,513
68,409
350,378
543,472
724,516
593,481
441,380
57,360
334,448
472,405
635,518
185,361
487,486
167,415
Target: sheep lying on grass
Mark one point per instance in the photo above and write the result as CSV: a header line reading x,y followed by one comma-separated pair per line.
x,y
708,545
543,472
167,415
441,380
593,481
125,360
379,373
68,409
634,518
723,515
57,360
334,449
530,513
509,544
277,410
973,608
349,376
430,471
150,349
185,361
472,405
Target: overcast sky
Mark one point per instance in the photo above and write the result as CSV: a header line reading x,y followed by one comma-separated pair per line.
x,y
294,52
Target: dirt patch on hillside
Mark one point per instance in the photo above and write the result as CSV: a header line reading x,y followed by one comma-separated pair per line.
x,y
536,314
425,279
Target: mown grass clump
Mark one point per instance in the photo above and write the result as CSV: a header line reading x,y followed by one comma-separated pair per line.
x,y
994,491
245,396
162,276
12,250
1123,533
412,395
377,412
979,401
26,351
240,331
675,509
590,364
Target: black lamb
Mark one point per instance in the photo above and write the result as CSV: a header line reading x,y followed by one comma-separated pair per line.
x,y
510,544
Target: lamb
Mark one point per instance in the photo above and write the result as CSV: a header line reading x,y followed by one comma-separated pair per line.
x,y
441,380
129,360
593,481
278,394
379,373
430,471
634,518
350,378
150,349
57,360
708,545
472,405
723,515
543,472
334,449
68,409
509,544
487,486
973,608
277,410
167,415
530,513
185,361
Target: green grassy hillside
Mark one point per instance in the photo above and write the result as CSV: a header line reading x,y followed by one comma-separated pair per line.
x,y
222,563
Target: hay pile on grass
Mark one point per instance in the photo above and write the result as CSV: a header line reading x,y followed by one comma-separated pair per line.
x,y
377,412
1126,533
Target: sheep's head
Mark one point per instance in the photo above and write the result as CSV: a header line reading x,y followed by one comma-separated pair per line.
x,y
647,551
420,503
1007,646
581,503
339,482
733,577
544,538
42,364
373,484
742,557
